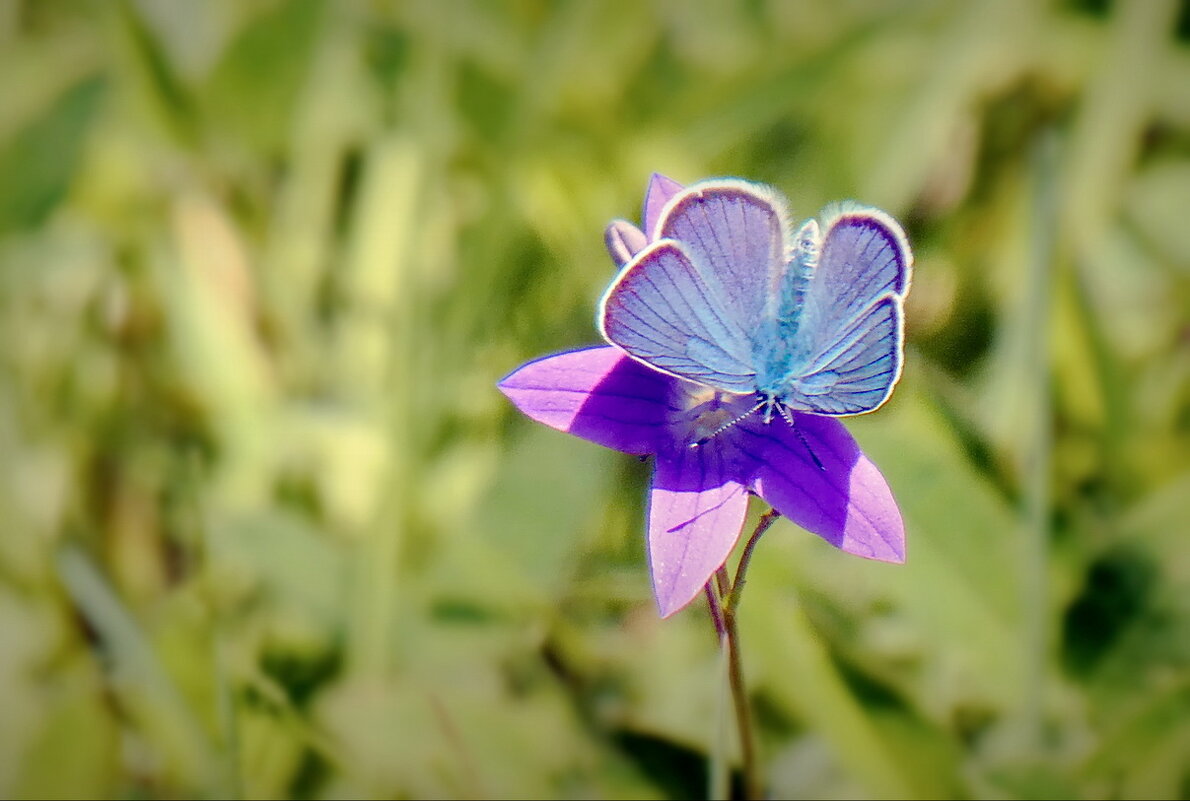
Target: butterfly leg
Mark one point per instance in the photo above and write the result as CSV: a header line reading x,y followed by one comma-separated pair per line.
x,y
788,415
727,425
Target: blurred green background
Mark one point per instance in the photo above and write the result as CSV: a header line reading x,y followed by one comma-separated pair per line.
x,y
269,530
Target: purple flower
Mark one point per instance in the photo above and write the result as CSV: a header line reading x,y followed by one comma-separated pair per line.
x,y
816,476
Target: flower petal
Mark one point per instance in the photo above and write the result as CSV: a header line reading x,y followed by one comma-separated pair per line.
x,y
846,501
695,516
623,240
660,190
598,394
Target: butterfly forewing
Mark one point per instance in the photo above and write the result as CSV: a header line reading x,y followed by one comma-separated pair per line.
x,y
736,235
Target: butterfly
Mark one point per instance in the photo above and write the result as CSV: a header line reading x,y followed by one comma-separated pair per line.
x,y
726,295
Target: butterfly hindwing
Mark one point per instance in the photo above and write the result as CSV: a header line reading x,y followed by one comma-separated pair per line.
x,y
857,372
661,310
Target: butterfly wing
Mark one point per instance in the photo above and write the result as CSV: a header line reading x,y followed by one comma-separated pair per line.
x,y
690,304
737,235
848,347
661,311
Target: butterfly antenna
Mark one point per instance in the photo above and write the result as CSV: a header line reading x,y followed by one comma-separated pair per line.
x,y
726,425
788,415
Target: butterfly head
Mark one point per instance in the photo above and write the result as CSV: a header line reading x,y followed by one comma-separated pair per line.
x,y
726,415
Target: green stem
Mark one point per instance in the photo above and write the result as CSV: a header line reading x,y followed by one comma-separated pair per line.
x,y
766,520
716,611
743,712
724,616
719,769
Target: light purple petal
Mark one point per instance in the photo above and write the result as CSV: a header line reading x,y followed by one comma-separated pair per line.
x,y
660,190
846,501
598,394
695,516
623,240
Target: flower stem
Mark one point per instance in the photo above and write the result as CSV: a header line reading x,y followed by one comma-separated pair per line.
x,y
716,611
719,769
766,520
724,616
739,698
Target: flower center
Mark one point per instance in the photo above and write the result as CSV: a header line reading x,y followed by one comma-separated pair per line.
x,y
703,412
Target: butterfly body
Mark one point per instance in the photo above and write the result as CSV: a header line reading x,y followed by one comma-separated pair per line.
x,y
727,296
776,348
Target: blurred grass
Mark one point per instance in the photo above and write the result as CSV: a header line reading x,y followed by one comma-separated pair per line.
x,y
270,531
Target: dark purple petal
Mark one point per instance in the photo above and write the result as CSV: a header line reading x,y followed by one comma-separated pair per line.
x,y
660,190
623,240
598,394
846,501
695,516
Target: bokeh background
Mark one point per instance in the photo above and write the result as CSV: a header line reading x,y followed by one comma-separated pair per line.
x,y
267,529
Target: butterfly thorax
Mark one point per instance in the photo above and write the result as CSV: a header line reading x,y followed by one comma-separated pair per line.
x,y
777,346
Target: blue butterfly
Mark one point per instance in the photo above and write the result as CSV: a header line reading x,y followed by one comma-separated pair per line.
x,y
725,295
